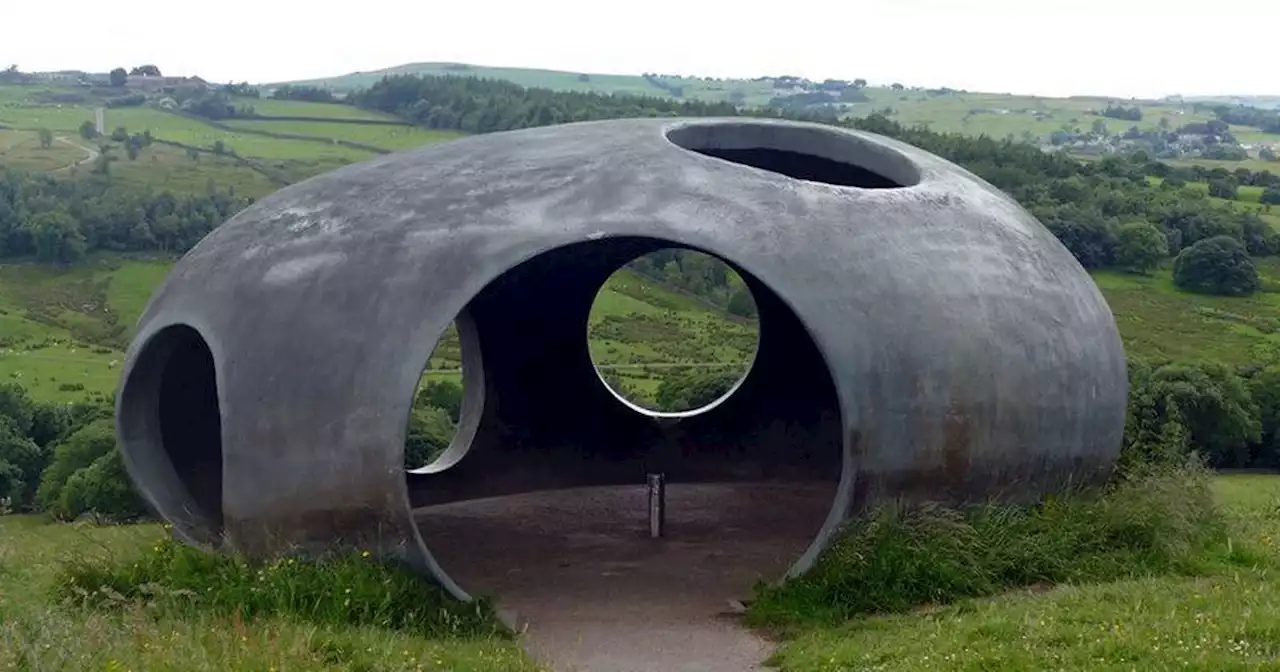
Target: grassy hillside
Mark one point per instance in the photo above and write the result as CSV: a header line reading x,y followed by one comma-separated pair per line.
x,y
1216,620
994,114
257,156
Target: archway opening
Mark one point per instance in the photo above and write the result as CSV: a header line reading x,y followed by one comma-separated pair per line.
x,y
171,428
673,332
548,506
445,411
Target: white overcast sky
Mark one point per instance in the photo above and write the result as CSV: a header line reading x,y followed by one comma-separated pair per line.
x,y
1052,47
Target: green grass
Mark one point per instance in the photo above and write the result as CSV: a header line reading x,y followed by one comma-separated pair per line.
x,y
1223,616
296,108
381,136
172,631
160,167
1158,321
22,150
1226,616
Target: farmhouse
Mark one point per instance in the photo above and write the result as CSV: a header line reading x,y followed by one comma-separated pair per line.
x,y
153,84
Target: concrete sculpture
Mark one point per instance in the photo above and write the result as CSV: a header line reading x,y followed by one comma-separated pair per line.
x,y
921,335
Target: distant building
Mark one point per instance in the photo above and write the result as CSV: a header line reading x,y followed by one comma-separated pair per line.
x,y
153,84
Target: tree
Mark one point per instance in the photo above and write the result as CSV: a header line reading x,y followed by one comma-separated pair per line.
x,y
896,86
1140,246
88,130
146,70
1268,154
1225,188
103,488
1217,265
693,389
859,83
46,138
742,304
219,147
1270,195
21,462
443,394
429,434
1265,390
57,237
120,134
78,451
1099,127
119,77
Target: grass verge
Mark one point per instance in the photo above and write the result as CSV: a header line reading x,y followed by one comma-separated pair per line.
x,y
1155,521
340,590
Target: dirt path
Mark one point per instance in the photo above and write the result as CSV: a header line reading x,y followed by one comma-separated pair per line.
x,y
595,594
90,153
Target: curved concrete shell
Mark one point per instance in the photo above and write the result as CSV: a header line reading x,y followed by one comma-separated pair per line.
x,y
921,335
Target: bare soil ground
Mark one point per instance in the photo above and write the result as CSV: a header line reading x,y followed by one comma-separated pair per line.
x,y
578,570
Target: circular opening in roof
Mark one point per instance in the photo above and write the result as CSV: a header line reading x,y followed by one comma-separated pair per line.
x,y
812,153
673,333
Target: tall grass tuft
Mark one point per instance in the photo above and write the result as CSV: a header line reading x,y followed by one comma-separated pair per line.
x,y
350,589
1153,519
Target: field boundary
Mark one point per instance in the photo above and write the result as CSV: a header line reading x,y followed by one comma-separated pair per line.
x,y
279,136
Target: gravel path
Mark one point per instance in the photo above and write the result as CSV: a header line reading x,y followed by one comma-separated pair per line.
x,y
595,594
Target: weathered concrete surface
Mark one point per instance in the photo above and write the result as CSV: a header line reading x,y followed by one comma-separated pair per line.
x,y
596,594
925,340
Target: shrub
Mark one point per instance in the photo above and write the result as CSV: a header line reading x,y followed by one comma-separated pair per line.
x,y
1153,520
78,451
102,488
1217,265
348,589
1139,247
430,433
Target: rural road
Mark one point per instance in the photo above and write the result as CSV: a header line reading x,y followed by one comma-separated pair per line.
x,y
90,153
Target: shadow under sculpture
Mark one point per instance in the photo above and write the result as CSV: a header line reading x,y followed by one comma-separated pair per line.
x,y
921,335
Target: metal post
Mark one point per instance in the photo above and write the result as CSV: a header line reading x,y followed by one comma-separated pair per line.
x,y
657,504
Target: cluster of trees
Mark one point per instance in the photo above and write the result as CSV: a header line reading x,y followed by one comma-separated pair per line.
x,y
60,220
1114,111
1230,416
699,274
61,459
1244,115
119,76
477,105
313,94
1084,204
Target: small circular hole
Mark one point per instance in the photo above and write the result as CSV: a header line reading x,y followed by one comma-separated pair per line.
x,y
673,332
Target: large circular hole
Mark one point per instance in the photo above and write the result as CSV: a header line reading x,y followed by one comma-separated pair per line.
x,y
673,332
171,427
446,402
812,153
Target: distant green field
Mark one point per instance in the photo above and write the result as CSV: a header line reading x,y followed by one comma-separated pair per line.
x,y
188,131
22,150
385,137
1158,321
298,108
161,167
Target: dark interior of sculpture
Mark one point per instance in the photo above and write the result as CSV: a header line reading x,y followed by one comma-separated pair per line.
x,y
170,410
803,153
556,456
